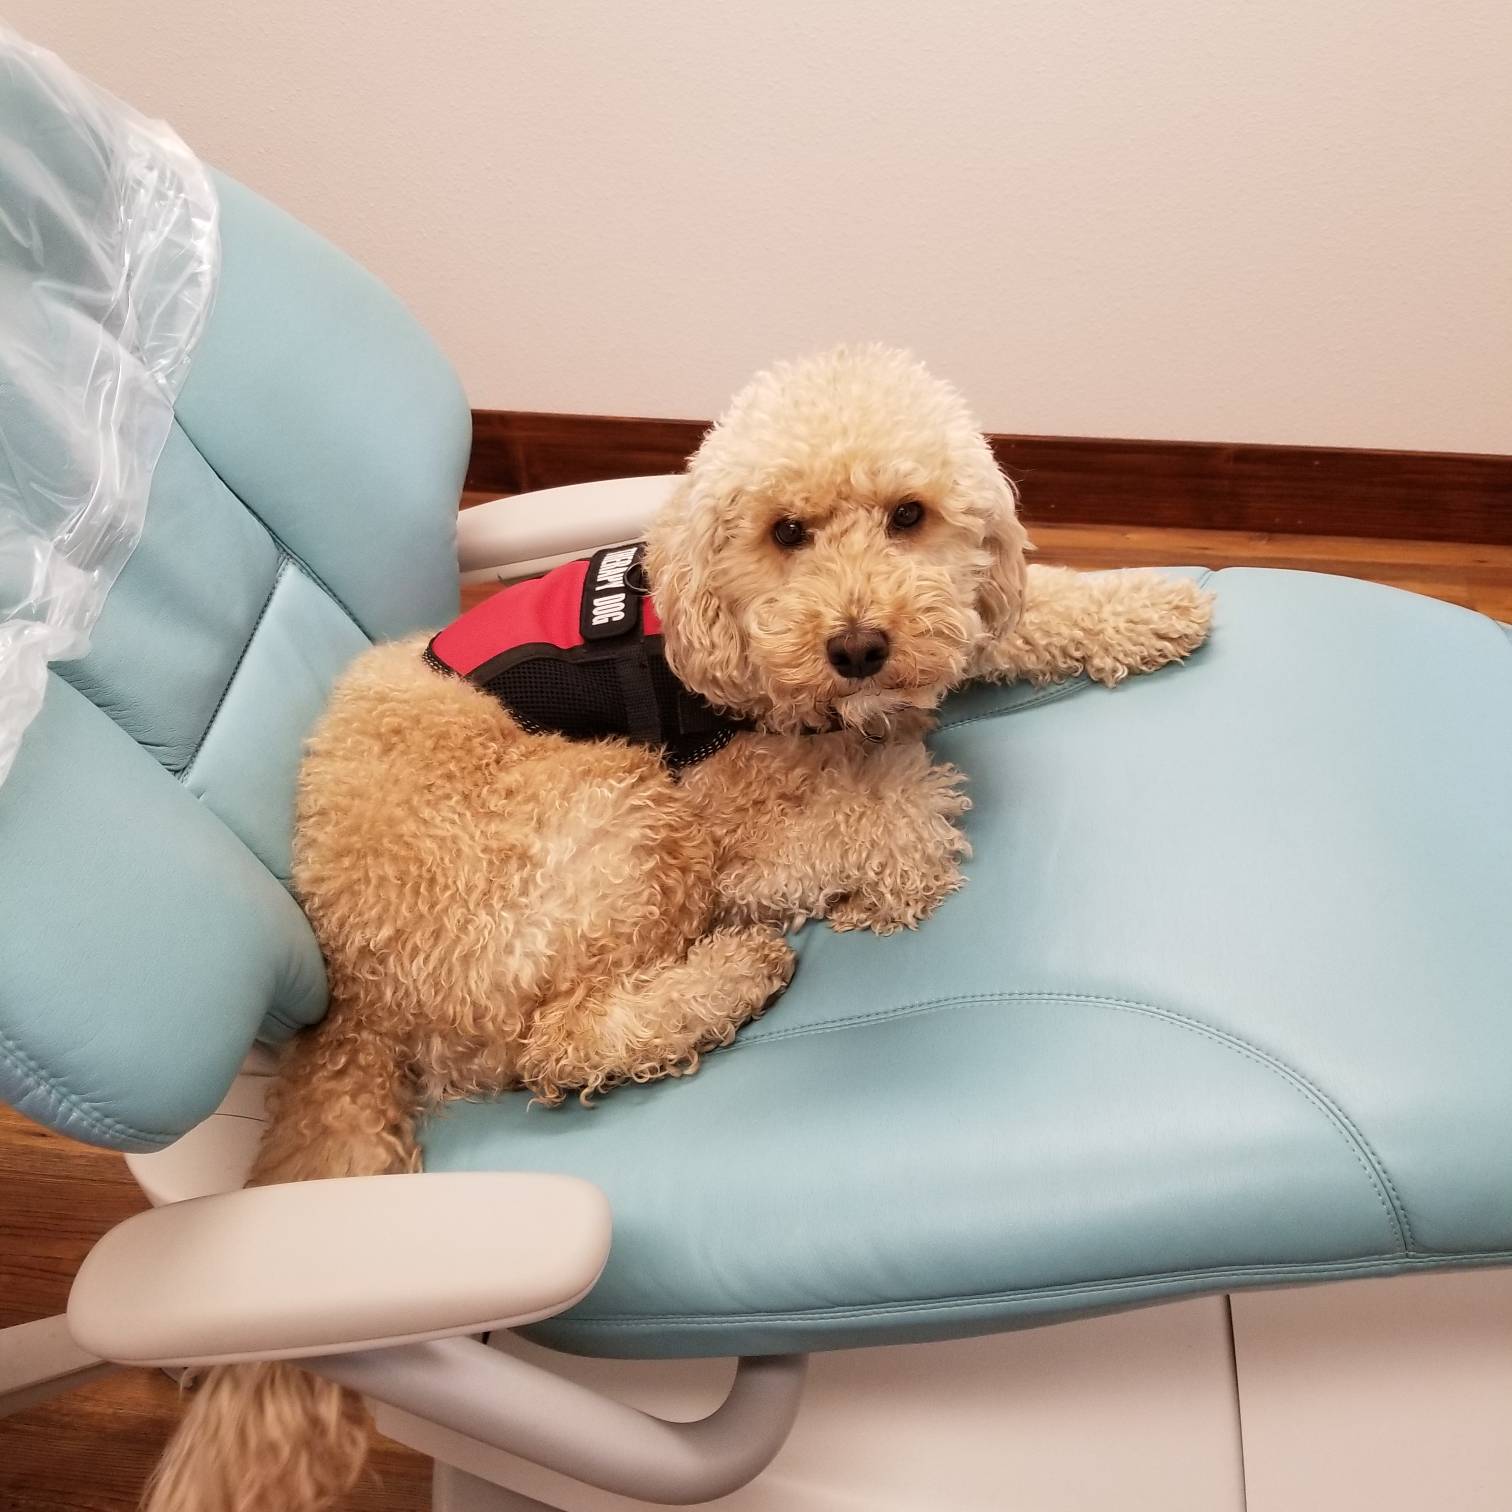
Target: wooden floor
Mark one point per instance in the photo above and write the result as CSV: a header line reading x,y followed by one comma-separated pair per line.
x,y
90,1451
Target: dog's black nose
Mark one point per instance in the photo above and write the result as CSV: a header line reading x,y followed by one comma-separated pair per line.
x,y
858,652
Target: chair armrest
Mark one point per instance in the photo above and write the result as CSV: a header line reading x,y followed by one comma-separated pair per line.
x,y
326,1267
510,538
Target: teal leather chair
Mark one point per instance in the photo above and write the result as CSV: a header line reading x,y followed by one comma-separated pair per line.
x,y
1226,1004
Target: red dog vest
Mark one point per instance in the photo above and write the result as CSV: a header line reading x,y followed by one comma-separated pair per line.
x,y
579,652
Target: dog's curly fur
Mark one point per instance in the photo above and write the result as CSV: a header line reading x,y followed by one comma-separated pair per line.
x,y
509,910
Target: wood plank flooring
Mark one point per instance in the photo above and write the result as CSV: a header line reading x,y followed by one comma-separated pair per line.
x,y
90,1451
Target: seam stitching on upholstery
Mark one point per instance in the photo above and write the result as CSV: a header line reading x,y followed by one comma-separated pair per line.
x,y
283,566
1318,1269
79,1106
288,551
276,1014
283,547
1359,1146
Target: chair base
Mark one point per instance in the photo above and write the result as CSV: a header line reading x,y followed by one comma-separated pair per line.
x,y
1388,1394
1066,1419
40,1360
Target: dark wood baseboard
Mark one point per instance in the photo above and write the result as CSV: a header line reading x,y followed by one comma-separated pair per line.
x,y
1306,490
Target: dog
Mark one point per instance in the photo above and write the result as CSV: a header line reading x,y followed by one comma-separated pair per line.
x,y
501,908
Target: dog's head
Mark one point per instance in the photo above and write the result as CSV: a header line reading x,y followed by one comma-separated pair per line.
x,y
840,542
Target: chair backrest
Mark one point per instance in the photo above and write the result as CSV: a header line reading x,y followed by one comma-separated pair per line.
x,y
304,505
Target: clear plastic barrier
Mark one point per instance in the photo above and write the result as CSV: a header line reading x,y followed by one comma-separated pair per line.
x,y
109,253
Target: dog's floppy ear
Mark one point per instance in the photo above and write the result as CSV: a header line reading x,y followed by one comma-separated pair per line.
x,y
704,645
1000,599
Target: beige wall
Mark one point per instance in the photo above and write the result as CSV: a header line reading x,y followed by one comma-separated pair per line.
x,y
1269,220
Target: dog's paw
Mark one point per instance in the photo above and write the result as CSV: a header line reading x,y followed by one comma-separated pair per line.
x,y
771,961
1152,621
885,911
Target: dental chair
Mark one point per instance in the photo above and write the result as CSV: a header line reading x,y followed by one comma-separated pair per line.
x,y
1168,1166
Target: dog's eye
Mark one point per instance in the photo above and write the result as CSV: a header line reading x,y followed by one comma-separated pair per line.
x,y
789,533
906,516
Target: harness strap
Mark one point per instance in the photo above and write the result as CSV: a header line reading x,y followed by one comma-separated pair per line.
x,y
643,721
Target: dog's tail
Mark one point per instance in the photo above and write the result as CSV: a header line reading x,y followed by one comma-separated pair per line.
x,y
263,1438
270,1437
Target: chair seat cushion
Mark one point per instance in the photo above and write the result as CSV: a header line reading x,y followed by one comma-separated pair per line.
x,y
1227,1002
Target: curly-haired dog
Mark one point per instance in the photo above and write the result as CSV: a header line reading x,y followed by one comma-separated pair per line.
x,y
501,909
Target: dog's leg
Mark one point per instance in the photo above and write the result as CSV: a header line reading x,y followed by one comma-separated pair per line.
x,y
1105,624
904,848
342,1105
834,827
655,1021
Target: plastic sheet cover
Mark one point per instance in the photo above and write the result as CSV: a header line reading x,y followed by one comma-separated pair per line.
x,y
109,253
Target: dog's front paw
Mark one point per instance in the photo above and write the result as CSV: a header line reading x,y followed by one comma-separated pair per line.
x,y
885,910
1151,621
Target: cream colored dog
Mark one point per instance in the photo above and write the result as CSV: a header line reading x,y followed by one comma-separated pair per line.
x,y
509,910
